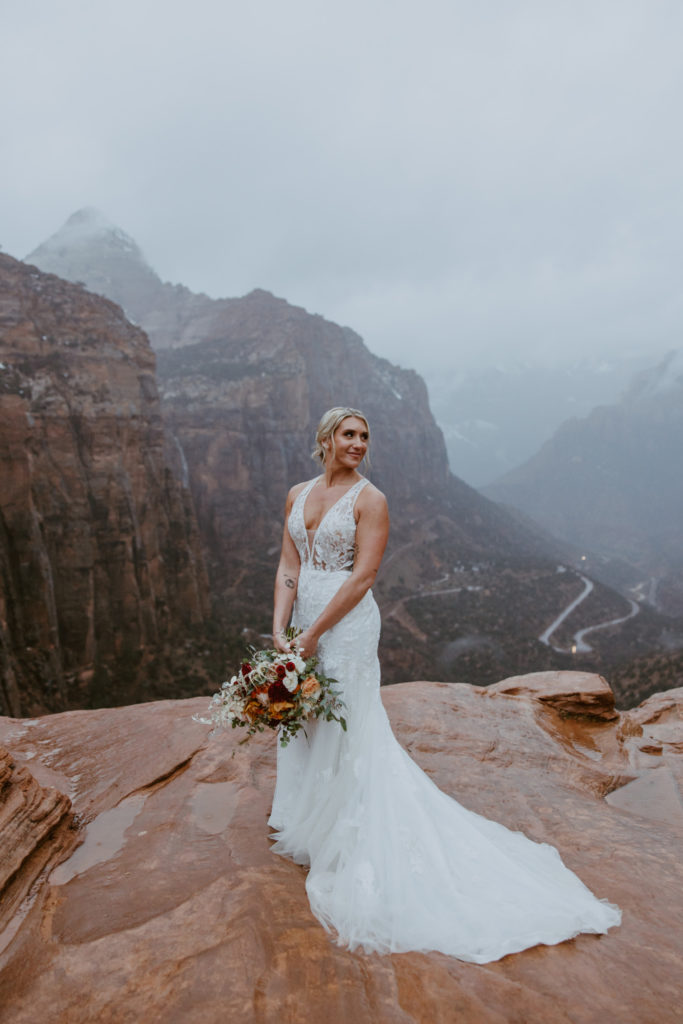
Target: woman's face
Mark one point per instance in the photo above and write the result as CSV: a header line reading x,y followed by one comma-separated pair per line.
x,y
351,439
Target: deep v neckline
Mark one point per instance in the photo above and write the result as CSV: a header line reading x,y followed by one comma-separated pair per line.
x,y
311,543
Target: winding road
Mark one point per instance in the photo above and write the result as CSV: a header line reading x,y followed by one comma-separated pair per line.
x,y
545,637
583,647
579,645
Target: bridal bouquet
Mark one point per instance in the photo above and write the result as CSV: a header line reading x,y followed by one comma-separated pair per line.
x,y
272,690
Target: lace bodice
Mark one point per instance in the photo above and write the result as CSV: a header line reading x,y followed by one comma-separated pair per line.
x,y
331,546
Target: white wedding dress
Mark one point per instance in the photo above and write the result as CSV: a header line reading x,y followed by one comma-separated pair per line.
x,y
394,863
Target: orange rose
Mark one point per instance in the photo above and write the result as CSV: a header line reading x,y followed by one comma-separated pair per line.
x,y
310,687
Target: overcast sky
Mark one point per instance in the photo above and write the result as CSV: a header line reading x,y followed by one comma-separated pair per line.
x,y
458,181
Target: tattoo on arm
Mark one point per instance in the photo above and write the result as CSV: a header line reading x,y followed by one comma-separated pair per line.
x,y
289,582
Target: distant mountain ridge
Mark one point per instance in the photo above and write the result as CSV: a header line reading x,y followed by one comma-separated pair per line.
x,y
495,418
612,482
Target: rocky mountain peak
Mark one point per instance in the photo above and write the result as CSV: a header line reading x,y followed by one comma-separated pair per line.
x,y
85,230
262,295
93,251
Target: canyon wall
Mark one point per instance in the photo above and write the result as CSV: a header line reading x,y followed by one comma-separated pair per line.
x,y
100,563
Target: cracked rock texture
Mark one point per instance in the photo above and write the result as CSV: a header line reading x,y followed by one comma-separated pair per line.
x,y
100,562
173,908
35,833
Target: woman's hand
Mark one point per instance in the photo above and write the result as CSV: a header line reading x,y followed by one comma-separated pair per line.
x,y
281,643
306,643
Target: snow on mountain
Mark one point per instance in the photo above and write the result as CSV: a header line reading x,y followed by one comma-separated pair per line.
x,y
81,229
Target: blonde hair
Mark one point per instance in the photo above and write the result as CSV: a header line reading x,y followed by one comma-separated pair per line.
x,y
327,426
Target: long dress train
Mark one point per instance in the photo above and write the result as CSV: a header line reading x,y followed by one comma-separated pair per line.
x,y
395,864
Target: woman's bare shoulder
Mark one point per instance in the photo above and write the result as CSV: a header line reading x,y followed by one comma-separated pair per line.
x,y
296,490
371,498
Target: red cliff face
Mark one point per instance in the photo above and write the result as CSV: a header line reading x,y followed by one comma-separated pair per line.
x,y
99,560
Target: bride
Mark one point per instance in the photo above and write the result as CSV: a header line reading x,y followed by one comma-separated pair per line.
x,y
394,863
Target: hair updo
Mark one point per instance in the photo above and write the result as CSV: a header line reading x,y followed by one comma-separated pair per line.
x,y
327,426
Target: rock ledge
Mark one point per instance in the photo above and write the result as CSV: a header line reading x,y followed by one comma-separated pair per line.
x,y
173,908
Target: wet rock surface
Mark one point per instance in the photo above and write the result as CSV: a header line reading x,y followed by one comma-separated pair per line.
x,y
173,908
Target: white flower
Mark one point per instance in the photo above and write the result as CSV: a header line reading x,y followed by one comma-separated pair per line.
x,y
291,681
299,663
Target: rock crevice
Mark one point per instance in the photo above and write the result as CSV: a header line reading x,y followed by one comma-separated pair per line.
x,y
36,832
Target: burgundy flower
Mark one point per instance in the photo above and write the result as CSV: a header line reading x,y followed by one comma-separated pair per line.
x,y
277,692
290,666
246,668
281,671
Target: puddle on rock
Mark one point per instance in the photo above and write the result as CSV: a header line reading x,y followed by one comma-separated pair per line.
x,y
213,805
104,837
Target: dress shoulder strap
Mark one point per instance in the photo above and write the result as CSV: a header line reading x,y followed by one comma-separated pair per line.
x,y
356,489
303,493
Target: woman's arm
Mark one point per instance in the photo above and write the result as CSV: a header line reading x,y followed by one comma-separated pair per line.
x,y
372,533
286,579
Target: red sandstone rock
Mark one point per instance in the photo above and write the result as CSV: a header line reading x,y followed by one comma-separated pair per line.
x,y
99,554
173,908
568,693
35,834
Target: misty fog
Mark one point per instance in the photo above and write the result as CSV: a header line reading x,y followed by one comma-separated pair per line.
x,y
461,185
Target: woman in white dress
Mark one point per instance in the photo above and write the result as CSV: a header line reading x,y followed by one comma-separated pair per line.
x,y
394,864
